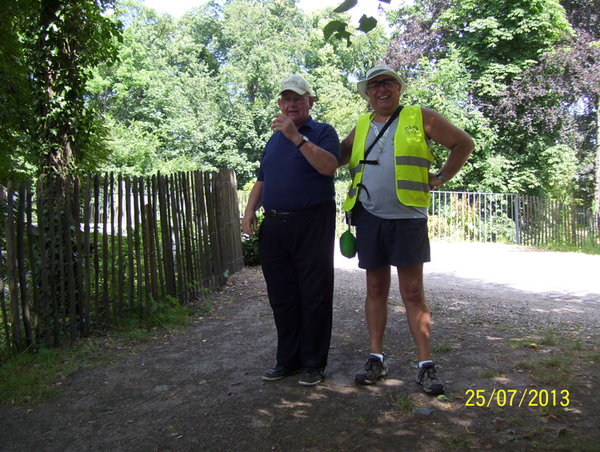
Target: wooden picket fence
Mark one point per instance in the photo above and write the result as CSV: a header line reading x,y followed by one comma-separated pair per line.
x,y
80,255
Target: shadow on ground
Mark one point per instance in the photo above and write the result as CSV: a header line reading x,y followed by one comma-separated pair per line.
x,y
200,390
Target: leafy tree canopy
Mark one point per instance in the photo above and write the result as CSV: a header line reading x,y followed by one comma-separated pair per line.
x,y
532,70
137,92
202,90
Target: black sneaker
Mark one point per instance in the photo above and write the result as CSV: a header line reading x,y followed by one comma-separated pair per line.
x,y
374,369
278,372
312,376
427,377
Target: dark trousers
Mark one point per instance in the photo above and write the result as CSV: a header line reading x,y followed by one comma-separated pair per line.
x,y
296,255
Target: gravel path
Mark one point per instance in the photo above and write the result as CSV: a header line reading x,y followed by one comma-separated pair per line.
x,y
200,389
541,272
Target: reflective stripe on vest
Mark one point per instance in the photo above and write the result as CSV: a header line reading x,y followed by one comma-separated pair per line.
x,y
412,170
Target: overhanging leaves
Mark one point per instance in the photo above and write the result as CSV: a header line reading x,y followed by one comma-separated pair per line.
x,y
367,23
336,28
347,5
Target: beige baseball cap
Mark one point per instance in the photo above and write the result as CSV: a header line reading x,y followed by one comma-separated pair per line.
x,y
296,84
375,72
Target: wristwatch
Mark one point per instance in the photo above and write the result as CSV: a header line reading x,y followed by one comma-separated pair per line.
x,y
304,140
441,177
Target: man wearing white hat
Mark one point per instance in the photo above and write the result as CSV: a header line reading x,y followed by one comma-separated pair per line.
x,y
389,161
295,244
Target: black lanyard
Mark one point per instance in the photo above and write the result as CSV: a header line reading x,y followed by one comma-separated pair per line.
x,y
387,124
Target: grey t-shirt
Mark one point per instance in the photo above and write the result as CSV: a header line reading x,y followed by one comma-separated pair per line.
x,y
380,198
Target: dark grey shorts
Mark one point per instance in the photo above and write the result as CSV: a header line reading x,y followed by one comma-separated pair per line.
x,y
380,242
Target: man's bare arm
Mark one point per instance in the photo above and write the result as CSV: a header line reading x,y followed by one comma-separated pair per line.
x,y
346,152
443,132
250,220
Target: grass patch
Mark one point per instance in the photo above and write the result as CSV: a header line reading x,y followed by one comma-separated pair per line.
x,y
557,368
402,402
35,377
594,358
31,378
454,442
551,409
576,346
548,339
569,439
554,371
490,373
442,348
526,365
521,343
587,248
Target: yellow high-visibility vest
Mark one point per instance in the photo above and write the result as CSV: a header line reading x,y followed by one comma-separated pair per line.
x,y
412,154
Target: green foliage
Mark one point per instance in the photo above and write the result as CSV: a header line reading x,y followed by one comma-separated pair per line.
x,y
590,247
250,247
135,149
443,85
530,71
195,93
79,92
559,172
338,28
461,220
19,385
200,92
163,313
48,49
15,97
499,40
335,104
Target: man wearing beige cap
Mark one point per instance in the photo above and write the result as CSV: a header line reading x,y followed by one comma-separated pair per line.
x,y
389,161
295,241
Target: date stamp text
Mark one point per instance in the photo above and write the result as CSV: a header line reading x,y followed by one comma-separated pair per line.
x,y
517,398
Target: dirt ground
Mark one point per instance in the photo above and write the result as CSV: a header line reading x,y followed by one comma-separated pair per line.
x,y
506,321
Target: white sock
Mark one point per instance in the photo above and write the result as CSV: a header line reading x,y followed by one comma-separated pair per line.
x,y
423,362
380,356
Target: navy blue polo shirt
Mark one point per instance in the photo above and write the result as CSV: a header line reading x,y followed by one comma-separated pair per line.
x,y
290,182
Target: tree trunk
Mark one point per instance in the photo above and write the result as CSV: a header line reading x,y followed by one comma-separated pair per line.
x,y
59,60
596,207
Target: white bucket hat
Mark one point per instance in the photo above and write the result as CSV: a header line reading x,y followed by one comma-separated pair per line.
x,y
375,72
296,84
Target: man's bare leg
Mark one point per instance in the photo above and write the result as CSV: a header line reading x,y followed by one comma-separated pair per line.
x,y
417,309
376,306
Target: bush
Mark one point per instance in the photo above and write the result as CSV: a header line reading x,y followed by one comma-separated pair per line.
x,y
250,247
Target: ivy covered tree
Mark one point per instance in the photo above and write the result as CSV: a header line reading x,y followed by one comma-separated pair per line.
x,y
63,41
48,49
15,97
